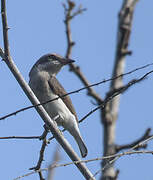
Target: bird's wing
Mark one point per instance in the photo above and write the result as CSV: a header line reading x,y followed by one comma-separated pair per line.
x,y
58,89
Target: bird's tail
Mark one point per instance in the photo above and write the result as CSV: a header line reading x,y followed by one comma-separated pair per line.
x,y
76,134
82,146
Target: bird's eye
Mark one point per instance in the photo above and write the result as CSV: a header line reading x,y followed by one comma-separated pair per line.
x,y
52,57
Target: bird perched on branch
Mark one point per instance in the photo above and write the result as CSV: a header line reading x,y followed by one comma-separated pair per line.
x,y
44,84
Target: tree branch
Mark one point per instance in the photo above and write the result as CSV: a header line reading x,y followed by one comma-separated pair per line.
x,y
110,113
75,91
69,15
51,170
20,137
46,118
117,156
41,156
130,145
111,95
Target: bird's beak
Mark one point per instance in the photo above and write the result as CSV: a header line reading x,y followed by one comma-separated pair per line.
x,y
66,61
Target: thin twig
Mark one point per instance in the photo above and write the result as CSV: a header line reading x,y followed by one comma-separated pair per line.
x,y
131,149
130,145
116,93
115,156
42,150
45,117
86,161
43,136
56,158
41,176
69,15
75,91
41,156
110,96
20,137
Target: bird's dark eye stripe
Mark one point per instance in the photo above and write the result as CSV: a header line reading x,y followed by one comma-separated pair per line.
x,y
52,57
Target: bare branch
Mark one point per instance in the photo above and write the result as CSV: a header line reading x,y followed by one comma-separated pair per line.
x,y
114,156
130,145
110,96
46,118
91,160
42,150
55,161
113,159
41,157
87,161
69,15
76,91
115,93
20,137
110,113
43,136
2,54
117,156
41,176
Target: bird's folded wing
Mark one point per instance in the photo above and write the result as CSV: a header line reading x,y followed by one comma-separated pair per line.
x,y
58,89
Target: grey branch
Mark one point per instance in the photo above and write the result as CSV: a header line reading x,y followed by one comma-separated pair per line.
x,y
53,128
130,145
69,15
75,91
41,157
87,161
56,158
111,95
110,113
20,137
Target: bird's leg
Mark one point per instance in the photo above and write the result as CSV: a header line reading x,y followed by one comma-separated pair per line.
x,y
55,118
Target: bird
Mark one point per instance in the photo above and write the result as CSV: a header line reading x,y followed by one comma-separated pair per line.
x,y
44,84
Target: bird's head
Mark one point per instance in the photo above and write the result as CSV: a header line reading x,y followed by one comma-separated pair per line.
x,y
51,63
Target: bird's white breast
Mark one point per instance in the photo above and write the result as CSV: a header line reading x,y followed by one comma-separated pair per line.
x,y
42,90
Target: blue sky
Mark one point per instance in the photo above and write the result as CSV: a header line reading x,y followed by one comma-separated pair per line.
x,y
37,28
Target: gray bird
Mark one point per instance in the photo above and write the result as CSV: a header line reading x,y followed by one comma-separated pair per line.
x,y
44,84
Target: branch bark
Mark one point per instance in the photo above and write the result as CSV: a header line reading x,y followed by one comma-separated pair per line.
x,y
69,15
72,92
110,113
146,135
53,128
55,161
